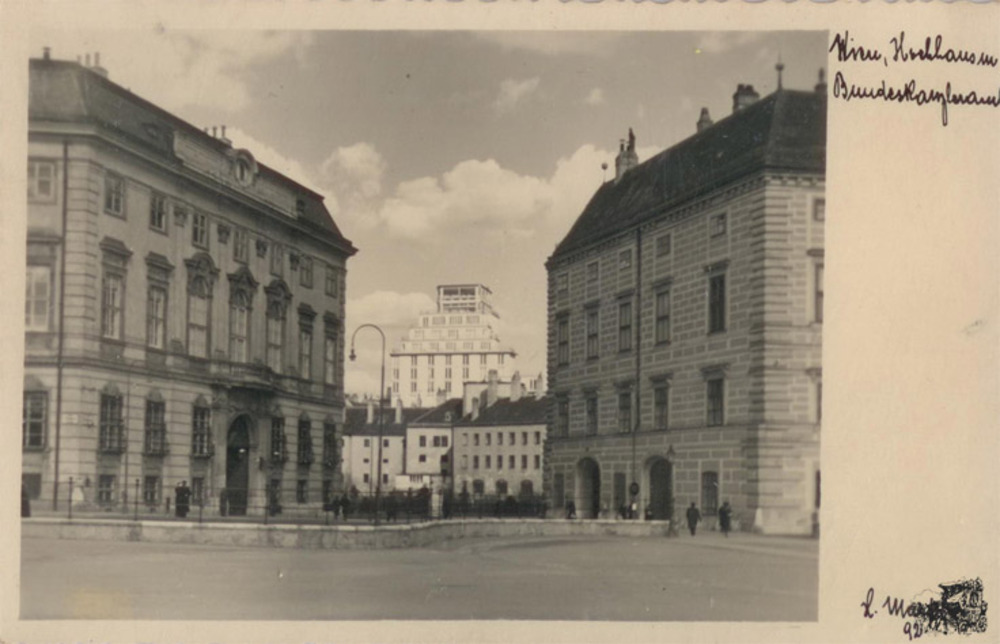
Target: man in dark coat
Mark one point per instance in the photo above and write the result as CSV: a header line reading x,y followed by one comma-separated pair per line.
x,y
693,517
183,500
725,517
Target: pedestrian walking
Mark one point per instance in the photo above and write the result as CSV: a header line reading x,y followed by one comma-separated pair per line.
x,y
725,518
177,500
693,517
571,510
183,500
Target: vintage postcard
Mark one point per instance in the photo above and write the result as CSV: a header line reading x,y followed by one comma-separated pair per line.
x,y
483,322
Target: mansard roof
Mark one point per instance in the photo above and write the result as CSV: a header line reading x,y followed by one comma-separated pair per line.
x,y
526,410
785,131
64,91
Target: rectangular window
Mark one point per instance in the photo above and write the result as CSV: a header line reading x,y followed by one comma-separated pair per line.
x,y
716,388
197,326
513,438
475,462
151,490
593,334
156,428
625,411
199,229
278,442
158,212
275,337
306,272
41,181
305,443
499,461
486,461
330,455
489,439
475,440
38,298
330,361
718,224
538,438
241,246
511,462
114,194
663,243
593,272
819,210
625,326
625,259
818,305
201,436
660,418
500,438
709,493
562,335
717,303
562,286
302,491
112,299
422,458
524,461
277,259
331,281
110,436
105,489
239,331
592,413
156,317
538,462
422,440
305,353
662,316
34,419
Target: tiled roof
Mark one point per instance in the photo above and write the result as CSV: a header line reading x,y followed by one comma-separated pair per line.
x,y
525,411
65,91
439,415
783,131
355,423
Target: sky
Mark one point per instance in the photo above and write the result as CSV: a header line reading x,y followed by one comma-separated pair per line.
x,y
446,156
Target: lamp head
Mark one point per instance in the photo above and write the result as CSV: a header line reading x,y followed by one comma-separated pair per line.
x,y
353,355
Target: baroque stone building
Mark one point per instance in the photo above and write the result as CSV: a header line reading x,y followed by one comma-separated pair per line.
x,y
685,314
184,310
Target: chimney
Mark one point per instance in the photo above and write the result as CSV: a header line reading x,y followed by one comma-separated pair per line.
x,y
821,85
704,121
46,53
97,69
441,397
371,412
627,158
515,387
491,388
214,129
744,96
223,137
399,411
475,408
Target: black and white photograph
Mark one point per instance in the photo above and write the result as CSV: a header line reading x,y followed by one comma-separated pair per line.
x,y
466,326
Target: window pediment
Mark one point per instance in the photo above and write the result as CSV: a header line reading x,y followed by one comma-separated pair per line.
x,y
202,273
242,286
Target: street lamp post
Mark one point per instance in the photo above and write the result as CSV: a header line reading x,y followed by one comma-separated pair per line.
x,y
381,415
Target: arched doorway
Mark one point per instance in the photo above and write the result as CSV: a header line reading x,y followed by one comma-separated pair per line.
x,y
588,489
238,466
661,489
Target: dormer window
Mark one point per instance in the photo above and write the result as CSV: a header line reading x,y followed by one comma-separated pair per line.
x,y
243,172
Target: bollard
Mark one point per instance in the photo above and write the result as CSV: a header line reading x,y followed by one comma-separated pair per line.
x,y
137,499
70,498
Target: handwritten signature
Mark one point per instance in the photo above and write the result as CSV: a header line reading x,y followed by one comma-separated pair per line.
x,y
959,608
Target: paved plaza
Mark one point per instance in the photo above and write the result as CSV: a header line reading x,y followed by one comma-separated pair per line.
x,y
705,578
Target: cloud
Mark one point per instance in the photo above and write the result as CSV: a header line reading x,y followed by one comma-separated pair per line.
x,y
512,92
354,174
393,312
720,42
555,43
595,97
180,69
